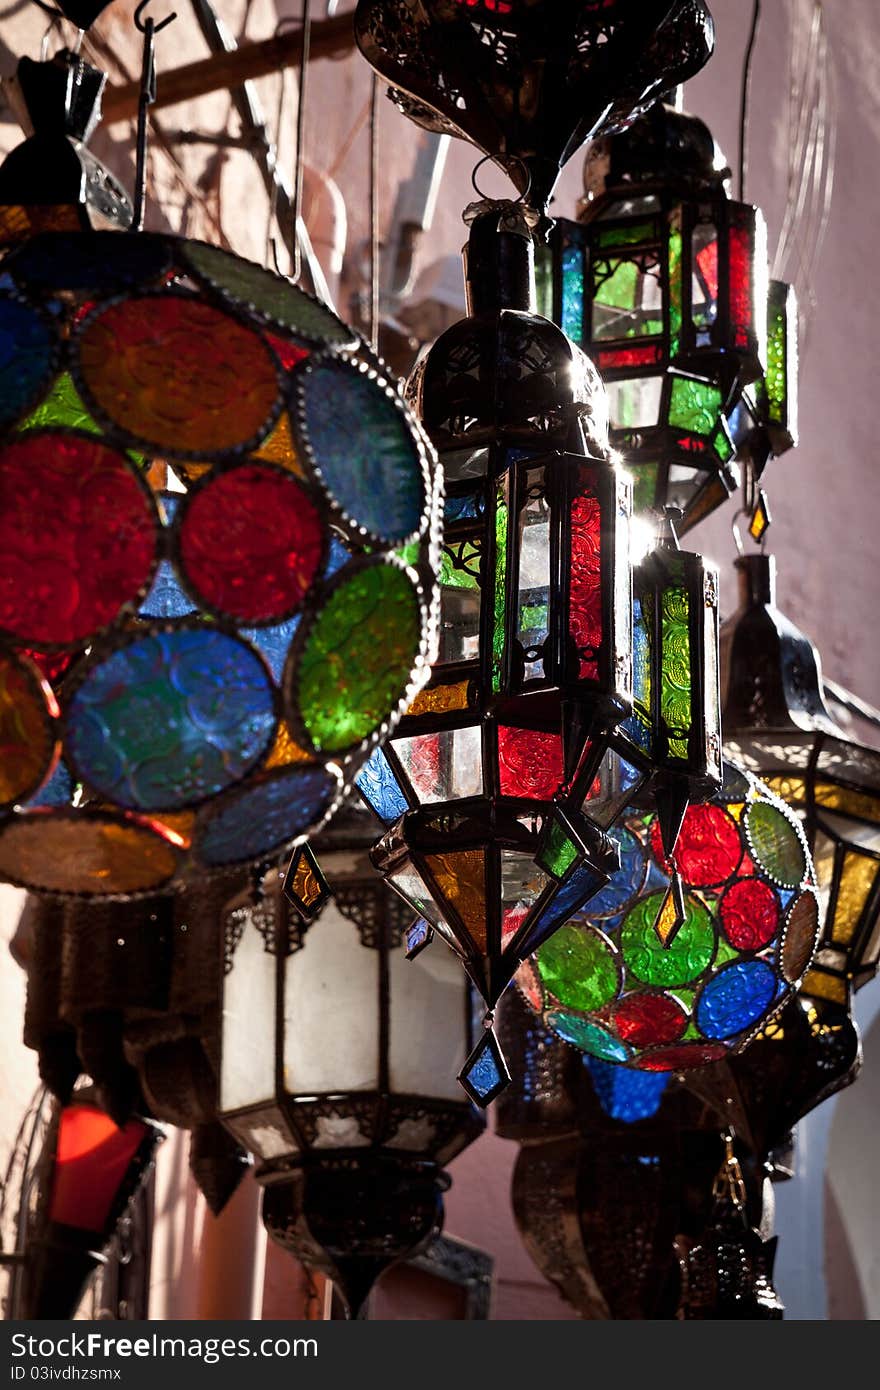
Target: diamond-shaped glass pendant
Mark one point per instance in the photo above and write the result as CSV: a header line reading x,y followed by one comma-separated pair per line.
x,y
759,524
418,936
485,1073
305,885
671,917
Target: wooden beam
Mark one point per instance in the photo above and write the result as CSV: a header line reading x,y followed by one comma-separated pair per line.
x,y
331,38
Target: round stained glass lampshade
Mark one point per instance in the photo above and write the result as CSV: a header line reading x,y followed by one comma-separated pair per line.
x,y
643,979
216,515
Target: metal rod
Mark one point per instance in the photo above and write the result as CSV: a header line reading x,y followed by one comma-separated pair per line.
x,y
374,213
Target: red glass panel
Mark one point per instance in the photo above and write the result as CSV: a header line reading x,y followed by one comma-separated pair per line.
x,y
288,353
251,542
741,307
92,1158
52,665
693,446
78,538
683,1057
707,260
647,1020
749,914
709,846
645,356
493,6
529,763
585,593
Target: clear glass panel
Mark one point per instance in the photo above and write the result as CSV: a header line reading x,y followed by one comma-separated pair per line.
x,y
522,883
460,564
247,1071
444,766
627,298
704,279
464,463
635,403
616,783
264,1134
428,1023
331,1010
533,598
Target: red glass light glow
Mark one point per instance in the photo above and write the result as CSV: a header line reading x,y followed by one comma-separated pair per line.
x,y
749,914
585,588
529,763
92,1158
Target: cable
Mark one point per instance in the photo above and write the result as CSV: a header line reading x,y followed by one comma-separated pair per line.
x,y
296,202
744,96
374,213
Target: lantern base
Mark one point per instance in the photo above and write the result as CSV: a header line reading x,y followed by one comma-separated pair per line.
x,y
353,1215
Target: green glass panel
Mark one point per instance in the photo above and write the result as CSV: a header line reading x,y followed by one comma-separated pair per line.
x,y
62,406
500,600
725,952
588,1037
694,405
775,844
460,565
559,851
544,280
686,956
775,376
692,1033
686,998
409,554
675,679
627,236
533,617
674,292
644,485
619,290
722,445
358,658
579,968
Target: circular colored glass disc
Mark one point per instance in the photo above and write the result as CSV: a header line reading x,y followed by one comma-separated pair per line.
x,y
579,967
363,449
170,719
266,814
736,998
357,659
647,1020
775,843
276,299
683,1057
27,358
178,375
27,736
683,959
589,1037
92,262
627,883
799,939
749,914
87,852
78,537
250,542
708,848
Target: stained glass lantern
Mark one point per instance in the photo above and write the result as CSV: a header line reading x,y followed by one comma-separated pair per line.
x,y
216,516
461,67
535,628
777,723
664,982
94,1168
339,1059
663,282
672,739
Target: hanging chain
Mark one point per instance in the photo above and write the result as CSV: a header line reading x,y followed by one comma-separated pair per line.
x,y
729,1181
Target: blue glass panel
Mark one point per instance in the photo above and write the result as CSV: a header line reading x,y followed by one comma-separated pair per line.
x,y
167,598
58,791
623,1094
380,789
485,1074
635,727
577,890
573,293
363,449
627,882
626,1095
418,936
92,261
737,997
470,507
171,719
274,642
338,556
26,358
263,817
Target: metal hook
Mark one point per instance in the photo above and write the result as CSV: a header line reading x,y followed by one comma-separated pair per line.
x,y
157,28
514,159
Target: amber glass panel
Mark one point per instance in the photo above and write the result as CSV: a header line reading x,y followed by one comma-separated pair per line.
x,y
856,881
460,877
440,699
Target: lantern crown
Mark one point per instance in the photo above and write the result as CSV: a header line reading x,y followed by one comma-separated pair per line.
x,y
666,145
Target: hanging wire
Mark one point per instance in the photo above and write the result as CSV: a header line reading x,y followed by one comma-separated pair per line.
x,y
296,201
272,213
147,95
744,98
374,213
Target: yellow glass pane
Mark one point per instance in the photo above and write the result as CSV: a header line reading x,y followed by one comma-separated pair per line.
x,y
848,802
278,447
440,699
856,881
824,986
791,790
304,885
286,750
19,223
460,878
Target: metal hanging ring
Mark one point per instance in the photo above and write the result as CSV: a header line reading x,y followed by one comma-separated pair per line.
x,y
488,159
157,28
